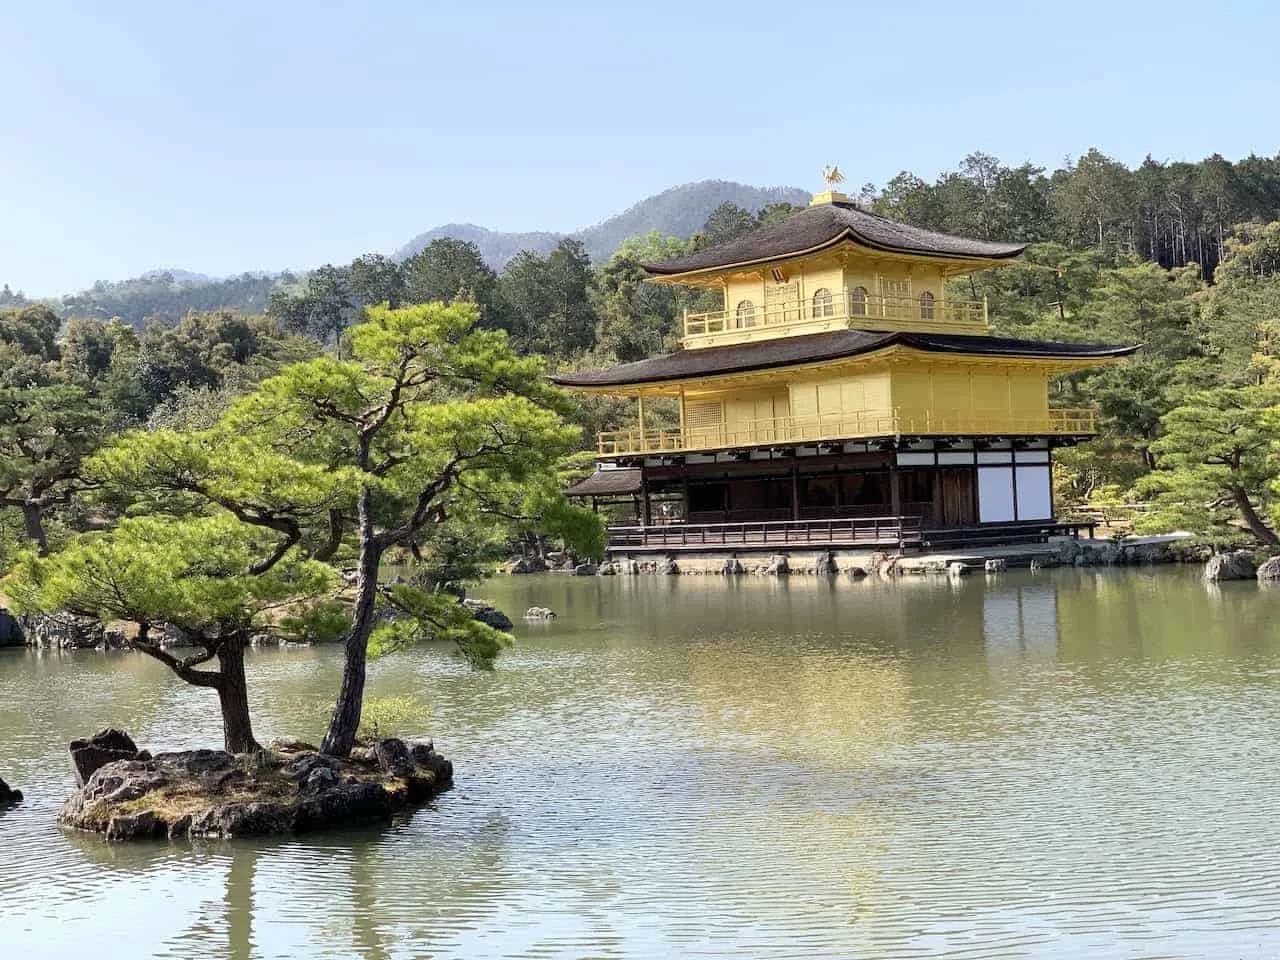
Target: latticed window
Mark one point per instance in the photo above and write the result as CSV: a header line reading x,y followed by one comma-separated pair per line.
x,y
858,301
822,306
926,306
703,415
746,314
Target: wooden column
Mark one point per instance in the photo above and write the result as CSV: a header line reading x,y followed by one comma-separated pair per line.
x,y
640,409
686,497
646,517
895,497
795,491
1053,507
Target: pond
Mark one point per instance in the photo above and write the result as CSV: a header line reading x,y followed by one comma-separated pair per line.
x,y
1073,763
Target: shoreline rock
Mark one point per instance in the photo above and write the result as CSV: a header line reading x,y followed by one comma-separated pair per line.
x,y
1269,571
63,631
288,788
1233,565
11,632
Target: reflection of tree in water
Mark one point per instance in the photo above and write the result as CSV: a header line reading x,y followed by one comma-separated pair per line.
x,y
425,879
367,892
238,902
1163,615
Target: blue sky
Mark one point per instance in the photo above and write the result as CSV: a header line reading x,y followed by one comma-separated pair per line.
x,y
234,136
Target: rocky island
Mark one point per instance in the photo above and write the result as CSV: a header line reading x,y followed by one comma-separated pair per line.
x,y
289,787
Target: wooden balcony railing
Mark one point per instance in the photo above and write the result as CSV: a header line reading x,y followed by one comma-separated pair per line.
x,y
849,425
848,308
867,531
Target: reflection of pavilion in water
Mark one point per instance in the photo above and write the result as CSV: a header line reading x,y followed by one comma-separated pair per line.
x,y
1021,620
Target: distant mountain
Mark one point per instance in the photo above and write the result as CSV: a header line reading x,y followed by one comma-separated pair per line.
x,y
496,248
169,293
179,275
679,212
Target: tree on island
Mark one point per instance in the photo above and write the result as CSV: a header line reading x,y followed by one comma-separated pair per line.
x,y
430,426
194,574
1217,465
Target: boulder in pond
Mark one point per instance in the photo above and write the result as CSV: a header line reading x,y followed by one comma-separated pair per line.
x,y
778,566
825,566
1270,570
8,795
105,746
996,565
732,567
607,569
526,565
883,565
584,570
1232,565
539,613
488,614
669,567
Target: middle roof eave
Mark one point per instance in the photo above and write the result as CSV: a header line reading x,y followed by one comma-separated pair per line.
x,y
818,347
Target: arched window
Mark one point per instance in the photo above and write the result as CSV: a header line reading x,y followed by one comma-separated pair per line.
x,y
746,314
822,306
926,306
858,302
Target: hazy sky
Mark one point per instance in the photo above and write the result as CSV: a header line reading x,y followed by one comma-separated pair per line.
x,y
234,136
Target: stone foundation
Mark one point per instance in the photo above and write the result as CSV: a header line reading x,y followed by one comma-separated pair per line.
x,y
855,564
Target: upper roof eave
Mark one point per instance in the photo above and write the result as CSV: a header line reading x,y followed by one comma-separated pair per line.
x,y
848,236
821,227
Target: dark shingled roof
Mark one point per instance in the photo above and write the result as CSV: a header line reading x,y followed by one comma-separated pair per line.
x,y
825,225
607,483
814,347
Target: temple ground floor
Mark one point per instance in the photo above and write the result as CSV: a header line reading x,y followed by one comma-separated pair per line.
x,y
894,493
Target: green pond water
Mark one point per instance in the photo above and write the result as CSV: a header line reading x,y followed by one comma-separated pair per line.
x,y
1065,764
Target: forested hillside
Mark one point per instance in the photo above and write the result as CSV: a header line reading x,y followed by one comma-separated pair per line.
x,y
1182,258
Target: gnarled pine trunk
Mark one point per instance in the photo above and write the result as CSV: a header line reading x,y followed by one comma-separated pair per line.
x,y
341,735
1254,522
33,522
233,697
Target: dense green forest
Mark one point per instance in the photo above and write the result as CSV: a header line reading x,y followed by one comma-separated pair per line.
x,y
1182,257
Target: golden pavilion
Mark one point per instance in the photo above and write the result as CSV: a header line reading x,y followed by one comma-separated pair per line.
x,y
841,396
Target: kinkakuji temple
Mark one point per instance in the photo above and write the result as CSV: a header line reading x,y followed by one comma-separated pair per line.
x,y
842,396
